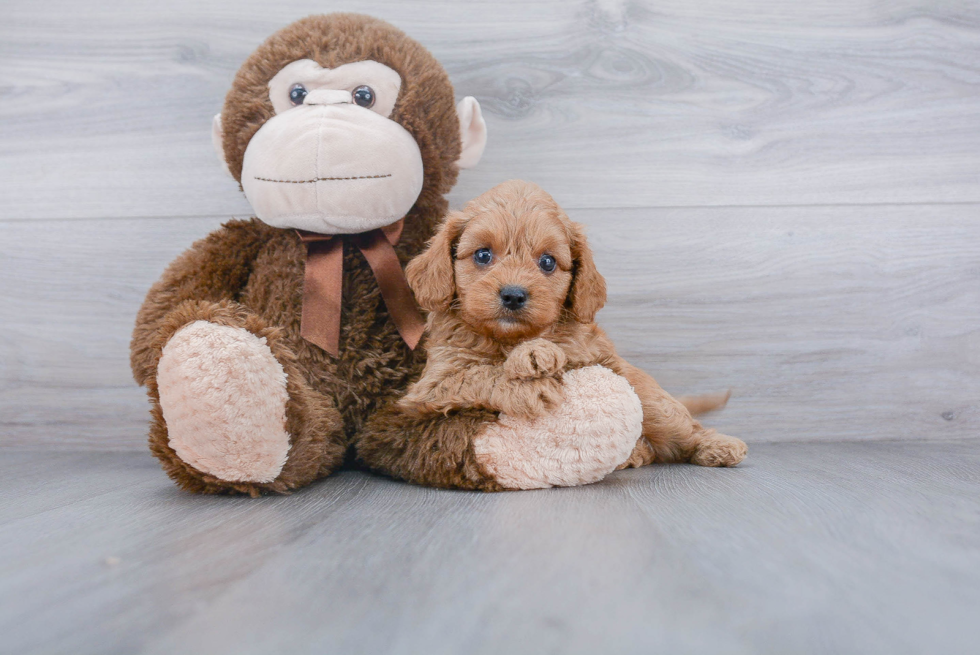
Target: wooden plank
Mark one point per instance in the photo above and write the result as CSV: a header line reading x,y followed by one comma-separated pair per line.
x,y
35,482
806,548
607,104
70,294
827,322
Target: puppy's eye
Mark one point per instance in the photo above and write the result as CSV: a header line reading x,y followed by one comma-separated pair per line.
x,y
483,256
547,263
363,96
297,94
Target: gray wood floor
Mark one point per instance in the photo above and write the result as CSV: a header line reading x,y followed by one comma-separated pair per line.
x,y
785,200
807,548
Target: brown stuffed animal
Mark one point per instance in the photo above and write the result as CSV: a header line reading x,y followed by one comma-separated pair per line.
x,y
266,346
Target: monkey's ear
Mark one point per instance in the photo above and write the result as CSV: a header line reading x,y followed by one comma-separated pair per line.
x,y
588,292
472,132
431,274
217,140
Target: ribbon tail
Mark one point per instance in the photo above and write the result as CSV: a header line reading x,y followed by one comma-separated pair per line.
x,y
322,291
398,296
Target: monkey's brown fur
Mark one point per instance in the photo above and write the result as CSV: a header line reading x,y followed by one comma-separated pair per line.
x,y
481,356
250,275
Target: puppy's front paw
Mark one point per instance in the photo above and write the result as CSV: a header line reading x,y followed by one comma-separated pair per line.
x,y
537,358
529,398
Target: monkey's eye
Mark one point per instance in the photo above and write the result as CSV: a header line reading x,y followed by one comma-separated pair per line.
x,y
297,94
363,96
483,256
547,263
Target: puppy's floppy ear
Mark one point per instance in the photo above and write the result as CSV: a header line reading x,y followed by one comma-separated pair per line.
x,y
587,294
431,274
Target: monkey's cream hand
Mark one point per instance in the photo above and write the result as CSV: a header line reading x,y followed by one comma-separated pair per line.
x,y
593,431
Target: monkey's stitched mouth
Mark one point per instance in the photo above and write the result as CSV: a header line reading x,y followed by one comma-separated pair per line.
x,y
323,179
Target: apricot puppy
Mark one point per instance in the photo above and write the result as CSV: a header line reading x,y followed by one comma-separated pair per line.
x,y
512,292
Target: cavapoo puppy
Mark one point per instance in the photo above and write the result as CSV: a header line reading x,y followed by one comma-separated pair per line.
x,y
512,293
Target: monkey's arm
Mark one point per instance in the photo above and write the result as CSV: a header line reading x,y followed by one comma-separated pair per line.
x,y
214,270
426,436
430,449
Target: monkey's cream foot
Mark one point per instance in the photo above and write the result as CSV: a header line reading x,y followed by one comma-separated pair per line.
x,y
591,433
223,396
717,449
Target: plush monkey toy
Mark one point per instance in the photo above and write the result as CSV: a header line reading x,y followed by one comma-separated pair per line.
x,y
266,345
275,349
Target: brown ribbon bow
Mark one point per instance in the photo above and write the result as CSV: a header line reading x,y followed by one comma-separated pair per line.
x,y
323,285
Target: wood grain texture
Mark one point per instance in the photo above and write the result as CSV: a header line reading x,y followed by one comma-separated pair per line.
x,y
106,107
71,291
827,322
805,548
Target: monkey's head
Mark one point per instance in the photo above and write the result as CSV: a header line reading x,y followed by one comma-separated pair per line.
x,y
339,124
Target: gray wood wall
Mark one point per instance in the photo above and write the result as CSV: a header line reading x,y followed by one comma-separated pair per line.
x,y
783,195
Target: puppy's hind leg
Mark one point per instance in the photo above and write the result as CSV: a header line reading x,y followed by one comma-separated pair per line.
x,y
713,448
672,434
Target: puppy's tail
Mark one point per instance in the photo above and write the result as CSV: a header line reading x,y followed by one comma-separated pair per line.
x,y
705,403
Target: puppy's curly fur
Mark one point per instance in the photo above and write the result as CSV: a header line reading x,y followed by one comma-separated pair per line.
x,y
484,355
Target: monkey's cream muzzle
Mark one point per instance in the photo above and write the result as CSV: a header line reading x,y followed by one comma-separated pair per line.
x,y
331,168
330,164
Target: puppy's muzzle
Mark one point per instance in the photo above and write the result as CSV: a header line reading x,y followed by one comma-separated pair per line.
x,y
513,297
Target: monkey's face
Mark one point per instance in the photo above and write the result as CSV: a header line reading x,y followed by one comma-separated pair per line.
x,y
341,124
331,160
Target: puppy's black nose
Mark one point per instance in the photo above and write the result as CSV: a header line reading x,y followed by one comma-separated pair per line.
x,y
513,298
